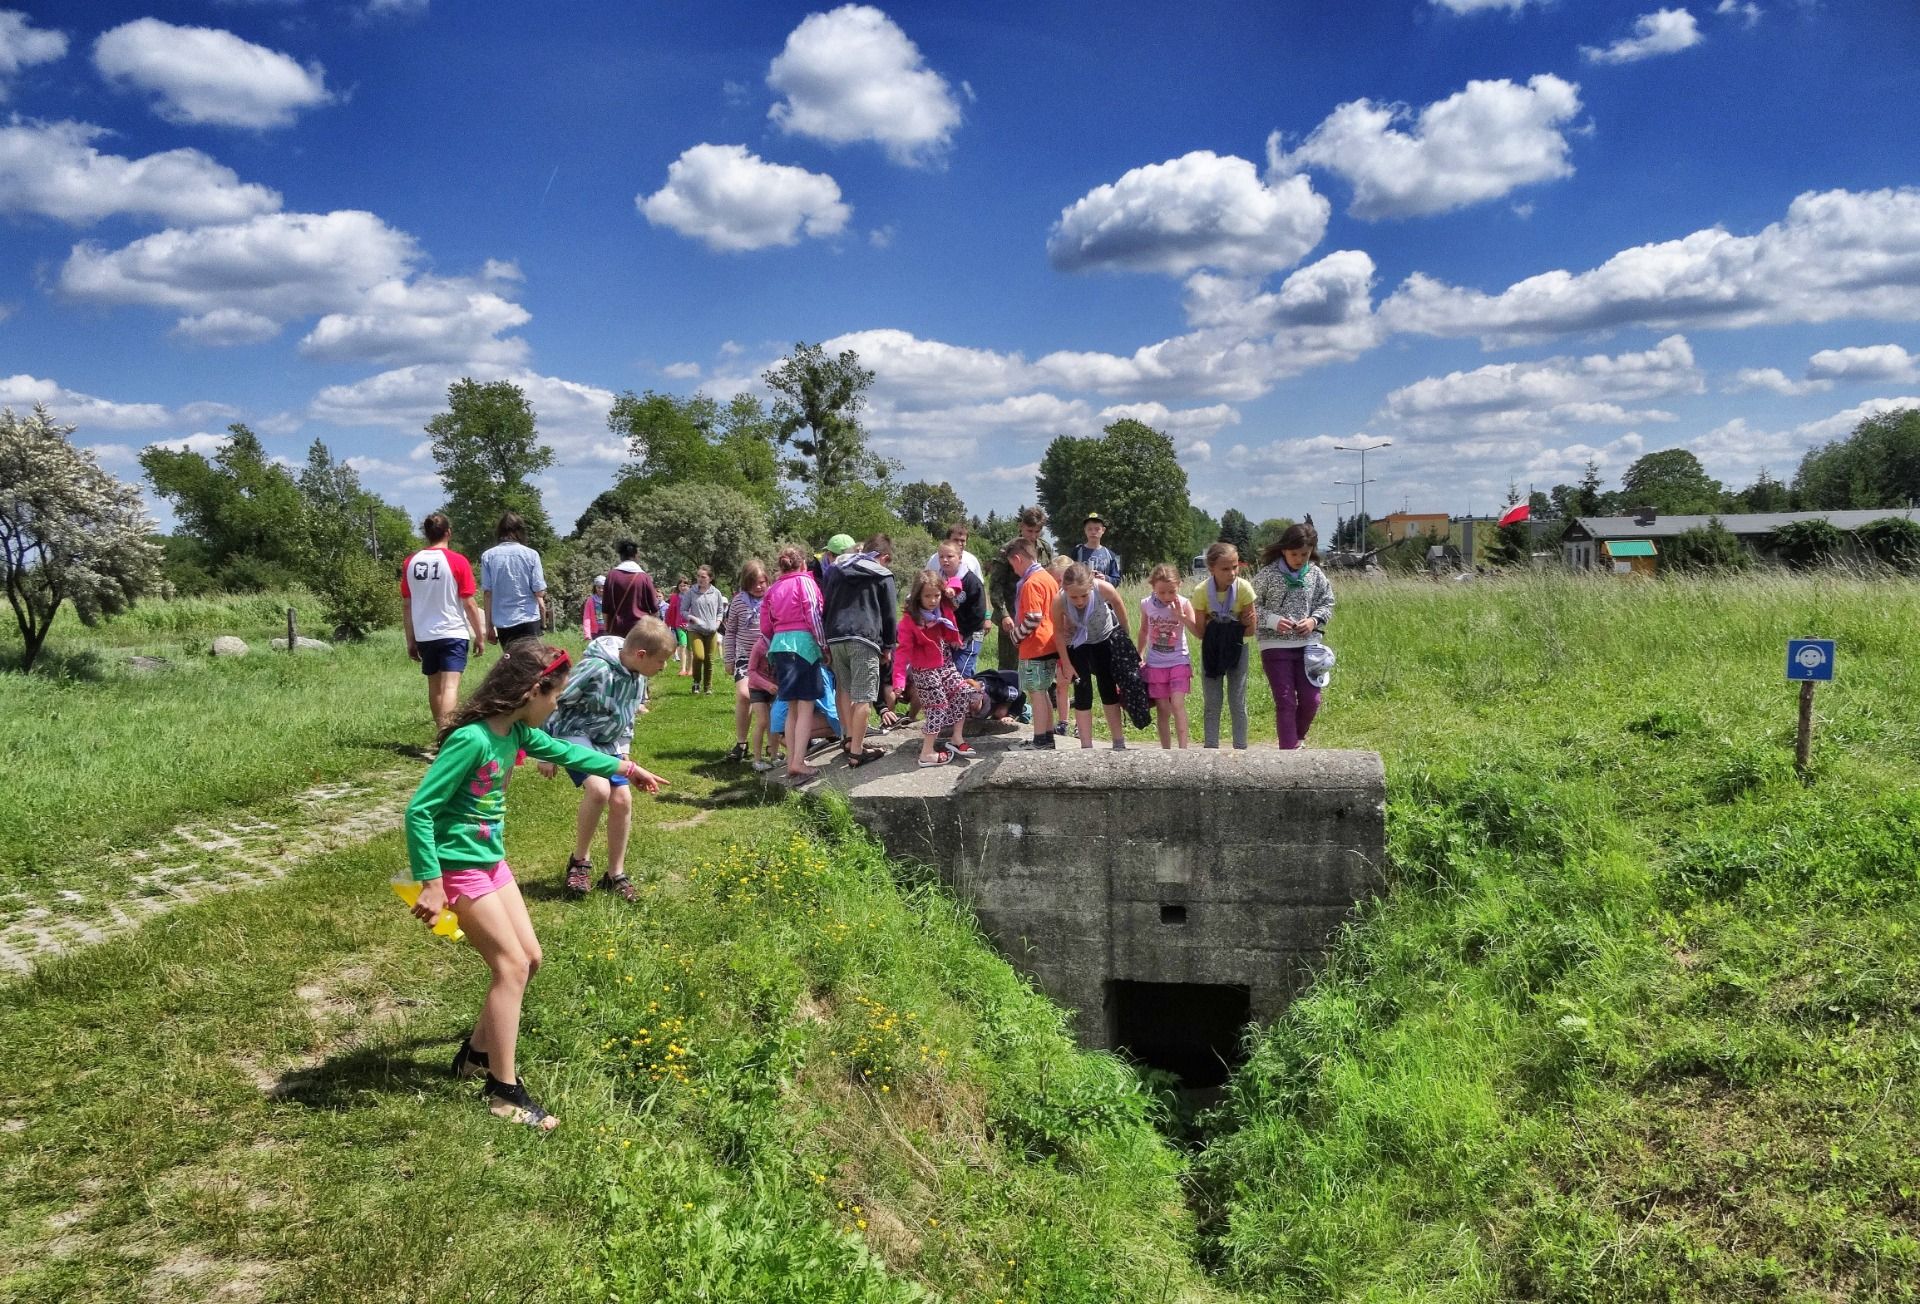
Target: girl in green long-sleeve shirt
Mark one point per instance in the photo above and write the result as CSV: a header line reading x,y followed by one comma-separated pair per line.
x,y
457,850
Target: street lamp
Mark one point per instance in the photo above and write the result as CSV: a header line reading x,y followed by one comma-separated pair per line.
x,y
1336,504
1363,450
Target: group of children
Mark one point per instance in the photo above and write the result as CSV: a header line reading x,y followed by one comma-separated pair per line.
x,y
827,642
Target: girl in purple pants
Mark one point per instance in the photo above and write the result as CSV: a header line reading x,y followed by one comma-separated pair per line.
x,y
1293,601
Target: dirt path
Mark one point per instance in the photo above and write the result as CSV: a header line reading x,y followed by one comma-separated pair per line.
x,y
50,915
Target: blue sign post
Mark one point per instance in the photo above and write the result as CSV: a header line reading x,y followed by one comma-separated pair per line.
x,y
1809,661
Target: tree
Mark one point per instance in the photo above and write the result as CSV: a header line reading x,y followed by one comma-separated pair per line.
x,y
1705,549
1237,530
1765,494
816,408
1540,506
1266,534
1589,500
488,452
1205,531
243,509
69,532
1131,475
347,531
1563,500
1878,465
932,507
696,441
858,508
1672,482
683,527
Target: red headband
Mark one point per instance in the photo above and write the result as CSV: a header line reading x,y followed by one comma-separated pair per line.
x,y
560,662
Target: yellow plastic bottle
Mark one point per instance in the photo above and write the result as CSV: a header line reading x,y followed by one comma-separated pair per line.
x,y
447,925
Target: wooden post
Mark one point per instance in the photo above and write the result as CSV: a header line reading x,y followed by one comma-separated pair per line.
x,y
292,639
1803,744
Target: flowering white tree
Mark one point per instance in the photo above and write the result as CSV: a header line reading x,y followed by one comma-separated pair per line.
x,y
69,532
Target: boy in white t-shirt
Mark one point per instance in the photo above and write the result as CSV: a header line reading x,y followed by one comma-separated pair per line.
x,y
443,621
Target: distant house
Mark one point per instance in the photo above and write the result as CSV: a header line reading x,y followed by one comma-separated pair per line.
x,y
1407,525
1584,546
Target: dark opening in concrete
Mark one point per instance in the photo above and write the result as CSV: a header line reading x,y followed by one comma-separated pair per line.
x,y
1173,914
1192,1029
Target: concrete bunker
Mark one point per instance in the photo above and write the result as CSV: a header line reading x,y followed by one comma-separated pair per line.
x,y
1165,897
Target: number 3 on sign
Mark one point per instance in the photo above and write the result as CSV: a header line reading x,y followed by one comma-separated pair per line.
x,y
1810,658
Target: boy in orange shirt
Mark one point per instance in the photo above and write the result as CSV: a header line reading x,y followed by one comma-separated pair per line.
x,y
1041,669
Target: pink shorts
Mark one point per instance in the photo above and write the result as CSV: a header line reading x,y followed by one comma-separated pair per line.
x,y
471,884
1168,681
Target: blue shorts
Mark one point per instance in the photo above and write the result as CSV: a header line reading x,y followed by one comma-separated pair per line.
x,y
439,656
797,679
580,778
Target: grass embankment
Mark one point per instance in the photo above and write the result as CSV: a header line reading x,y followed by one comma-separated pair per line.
x,y
783,1077
1637,1020
1641,1017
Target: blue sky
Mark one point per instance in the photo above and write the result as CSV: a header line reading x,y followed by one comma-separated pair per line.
x,y
1507,235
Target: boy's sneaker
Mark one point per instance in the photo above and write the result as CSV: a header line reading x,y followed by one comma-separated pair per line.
x,y
1060,730
761,765
1026,713
1043,741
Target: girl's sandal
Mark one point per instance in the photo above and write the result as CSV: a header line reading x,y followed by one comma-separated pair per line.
x,y
938,758
468,1062
579,875
622,884
511,1102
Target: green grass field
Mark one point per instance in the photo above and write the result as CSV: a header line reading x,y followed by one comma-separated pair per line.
x,y
1638,1019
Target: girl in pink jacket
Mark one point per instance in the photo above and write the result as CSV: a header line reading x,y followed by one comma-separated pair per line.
x,y
929,633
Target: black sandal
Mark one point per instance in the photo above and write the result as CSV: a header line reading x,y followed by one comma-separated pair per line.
x,y
579,875
622,884
468,1062
867,757
738,754
509,1100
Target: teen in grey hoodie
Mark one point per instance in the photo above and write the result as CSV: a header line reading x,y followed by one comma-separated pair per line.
x,y
861,618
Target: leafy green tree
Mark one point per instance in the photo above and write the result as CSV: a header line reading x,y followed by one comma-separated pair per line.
x,y
860,509
1563,500
1766,494
1805,545
1893,541
347,533
816,406
1266,534
488,450
1672,482
1540,506
682,527
1205,531
1878,465
1237,530
69,532
1705,549
992,534
930,506
696,441
246,511
1132,476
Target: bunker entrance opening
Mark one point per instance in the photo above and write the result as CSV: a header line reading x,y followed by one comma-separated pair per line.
x,y
1190,1029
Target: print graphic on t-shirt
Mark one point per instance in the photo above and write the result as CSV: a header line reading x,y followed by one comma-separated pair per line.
x,y
424,569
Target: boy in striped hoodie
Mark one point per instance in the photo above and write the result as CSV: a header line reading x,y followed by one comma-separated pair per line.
x,y
596,710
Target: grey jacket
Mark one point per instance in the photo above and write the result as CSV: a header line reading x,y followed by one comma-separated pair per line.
x,y
1273,596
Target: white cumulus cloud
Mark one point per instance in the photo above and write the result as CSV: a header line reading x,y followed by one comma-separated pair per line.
x,y
206,75
733,200
22,45
428,319
1772,380
1477,144
52,169
224,327
22,392
1200,210
1547,395
1875,362
1745,10
852,75
1836,254
1664,31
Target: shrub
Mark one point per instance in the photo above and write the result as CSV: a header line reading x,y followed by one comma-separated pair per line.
x,y
1893,541
1804,545
358,595
1707,548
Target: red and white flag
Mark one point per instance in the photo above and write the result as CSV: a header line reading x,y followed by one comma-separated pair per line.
x,y
1515,514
